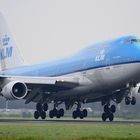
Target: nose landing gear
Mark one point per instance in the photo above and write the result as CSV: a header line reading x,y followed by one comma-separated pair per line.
x,y
129,100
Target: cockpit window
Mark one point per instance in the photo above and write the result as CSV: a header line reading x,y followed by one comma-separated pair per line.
x,y
134,40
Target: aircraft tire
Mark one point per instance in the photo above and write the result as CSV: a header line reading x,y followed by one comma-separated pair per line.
x,y
81,115
74,114
58,115
55,112
43,115
113,108
36,114
51,115
133,101
39,107
127,101
45,107
61,111
106,109
104,117
111,117
85,113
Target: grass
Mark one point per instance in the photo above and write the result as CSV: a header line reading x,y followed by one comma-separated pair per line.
x,y
62,131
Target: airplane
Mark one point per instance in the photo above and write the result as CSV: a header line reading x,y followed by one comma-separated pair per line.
x,y
105,72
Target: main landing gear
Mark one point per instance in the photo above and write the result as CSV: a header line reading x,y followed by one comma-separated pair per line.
x,y
42,108
40,111
108,112
79,113
56,113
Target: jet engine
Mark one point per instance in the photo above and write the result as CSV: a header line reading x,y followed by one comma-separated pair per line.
x,y
14,90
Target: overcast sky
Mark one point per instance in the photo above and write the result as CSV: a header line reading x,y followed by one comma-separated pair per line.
x,y
49,29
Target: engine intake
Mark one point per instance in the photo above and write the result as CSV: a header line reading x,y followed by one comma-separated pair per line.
x,y
14,90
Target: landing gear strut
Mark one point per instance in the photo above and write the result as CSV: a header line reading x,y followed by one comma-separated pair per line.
x,y
40,111
108,112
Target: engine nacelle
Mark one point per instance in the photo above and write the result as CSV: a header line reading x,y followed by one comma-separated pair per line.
x,y
14,90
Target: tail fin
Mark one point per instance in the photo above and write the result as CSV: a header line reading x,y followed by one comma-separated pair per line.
x,y
9,54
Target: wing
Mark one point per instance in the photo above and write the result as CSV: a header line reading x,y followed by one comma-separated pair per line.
x,y
39,87
52,84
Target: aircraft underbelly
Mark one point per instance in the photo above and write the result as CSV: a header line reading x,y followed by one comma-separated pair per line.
x,y
114,76
98,81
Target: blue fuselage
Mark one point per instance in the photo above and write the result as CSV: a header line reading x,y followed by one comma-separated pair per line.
x,y
123,50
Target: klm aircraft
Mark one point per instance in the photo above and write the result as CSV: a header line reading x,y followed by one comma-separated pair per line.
x,y
105,72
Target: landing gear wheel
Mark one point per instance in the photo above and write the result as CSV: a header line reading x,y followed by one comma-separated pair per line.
x,y
43,115
61,111
104,117
58,115
54,112
81,115
127,101
45,107
39,107
113,108
74,114
51,115
133,101
106,109
36,114
85,113
111,117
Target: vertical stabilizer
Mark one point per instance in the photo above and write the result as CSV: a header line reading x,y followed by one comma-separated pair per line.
x,y
9,54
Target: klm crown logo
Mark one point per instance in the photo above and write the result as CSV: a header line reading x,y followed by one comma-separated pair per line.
x,y
5,40
100,56
7,50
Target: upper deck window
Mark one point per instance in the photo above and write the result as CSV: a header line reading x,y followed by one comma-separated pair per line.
x,y
134,40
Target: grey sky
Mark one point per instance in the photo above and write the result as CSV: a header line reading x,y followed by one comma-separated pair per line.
x,y
49,29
